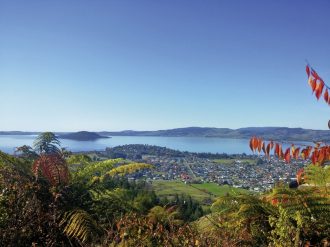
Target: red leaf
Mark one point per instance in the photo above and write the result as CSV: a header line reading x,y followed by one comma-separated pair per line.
x,y
280,155
274,201
251,144
299,175
314,74
260,142
296,153
255,143
322,155
268,149
287,156
308,70
306,152
312,83
319,89
326,96
315,156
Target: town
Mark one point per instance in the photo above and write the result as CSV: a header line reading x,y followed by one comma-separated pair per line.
x,y
251,172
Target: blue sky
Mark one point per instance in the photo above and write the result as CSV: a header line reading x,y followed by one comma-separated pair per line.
x,y
147,65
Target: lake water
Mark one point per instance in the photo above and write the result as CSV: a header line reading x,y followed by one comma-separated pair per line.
x,y
191,144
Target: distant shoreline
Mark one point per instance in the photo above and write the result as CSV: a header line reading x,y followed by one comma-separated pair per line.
x,y
267,133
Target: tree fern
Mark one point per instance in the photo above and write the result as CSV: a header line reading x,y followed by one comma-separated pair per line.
x,y
52,167
305,210
127,169
80,225
110,203
97,171
245,217
90,169
47,143
318,176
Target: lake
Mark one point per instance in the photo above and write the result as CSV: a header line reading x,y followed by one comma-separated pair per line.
x,y
191,144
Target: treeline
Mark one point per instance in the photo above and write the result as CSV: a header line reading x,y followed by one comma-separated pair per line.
x,y
135,151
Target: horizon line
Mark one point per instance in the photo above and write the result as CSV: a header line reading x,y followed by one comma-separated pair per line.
x,y
40,131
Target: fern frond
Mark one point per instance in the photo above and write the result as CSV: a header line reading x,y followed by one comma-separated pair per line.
x,y
52,167
128,168
90,170
80,225
110,202
318,175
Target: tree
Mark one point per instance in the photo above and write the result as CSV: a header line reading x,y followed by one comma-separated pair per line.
x,y
47,143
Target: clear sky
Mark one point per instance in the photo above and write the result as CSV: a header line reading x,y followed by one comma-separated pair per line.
x,y
147,64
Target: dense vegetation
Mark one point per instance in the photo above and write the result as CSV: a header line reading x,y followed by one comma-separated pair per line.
x,y
50,197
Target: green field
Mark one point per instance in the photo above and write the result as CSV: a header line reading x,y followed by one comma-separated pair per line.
x,y
200,192
217,190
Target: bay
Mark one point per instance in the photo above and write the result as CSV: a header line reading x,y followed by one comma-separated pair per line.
x,y
8,143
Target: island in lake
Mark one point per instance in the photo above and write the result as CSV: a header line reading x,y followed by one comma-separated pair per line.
x,y
83,136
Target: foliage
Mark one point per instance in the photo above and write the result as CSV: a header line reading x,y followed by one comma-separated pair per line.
x,y
144,231
26,152
80,159
127,169
47,143
27,210
302,214
188,209
319,155
245,216
80,225
317,84
41,204
87,170
22,165
52,167
318,176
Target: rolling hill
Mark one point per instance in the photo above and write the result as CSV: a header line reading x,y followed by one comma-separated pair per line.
x,y
274,133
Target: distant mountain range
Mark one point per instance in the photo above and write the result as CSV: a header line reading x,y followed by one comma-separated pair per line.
x,y
267,133
274,133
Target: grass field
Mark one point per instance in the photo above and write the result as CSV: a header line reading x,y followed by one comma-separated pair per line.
x,y
217,190
200,192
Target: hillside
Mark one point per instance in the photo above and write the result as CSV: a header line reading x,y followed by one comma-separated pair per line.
x,y
274,133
